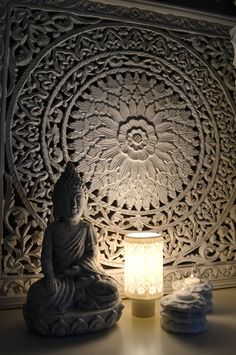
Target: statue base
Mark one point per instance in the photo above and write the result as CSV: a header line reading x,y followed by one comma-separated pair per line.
x,y
72,322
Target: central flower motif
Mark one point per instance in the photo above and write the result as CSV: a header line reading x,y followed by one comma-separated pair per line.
x,y
134,140
137,138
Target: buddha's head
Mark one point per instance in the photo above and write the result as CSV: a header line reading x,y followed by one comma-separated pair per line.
x,y
69,196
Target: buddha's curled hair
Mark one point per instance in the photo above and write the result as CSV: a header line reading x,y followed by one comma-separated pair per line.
x,y
69,183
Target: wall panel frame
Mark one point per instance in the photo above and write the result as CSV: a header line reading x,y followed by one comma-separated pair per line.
x,y
142,100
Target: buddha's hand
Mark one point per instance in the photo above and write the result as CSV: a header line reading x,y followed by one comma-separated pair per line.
x,y
52,284
73,270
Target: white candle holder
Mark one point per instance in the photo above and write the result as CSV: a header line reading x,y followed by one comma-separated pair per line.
x,y
196,286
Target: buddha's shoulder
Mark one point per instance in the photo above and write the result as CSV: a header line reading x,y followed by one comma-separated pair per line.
x,y
55,225
61,225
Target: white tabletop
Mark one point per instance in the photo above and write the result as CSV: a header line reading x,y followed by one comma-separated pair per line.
x,y
131,335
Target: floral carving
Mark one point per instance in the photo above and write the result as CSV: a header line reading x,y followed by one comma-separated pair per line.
x,y
137,139
22,242
141,139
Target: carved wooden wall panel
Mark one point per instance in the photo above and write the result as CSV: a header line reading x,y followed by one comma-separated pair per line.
x,y
144,105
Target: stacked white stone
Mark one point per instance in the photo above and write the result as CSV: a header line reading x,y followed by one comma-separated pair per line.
x,y
204,289
184,312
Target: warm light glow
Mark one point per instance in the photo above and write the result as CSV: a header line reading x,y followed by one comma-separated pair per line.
x,y
143,274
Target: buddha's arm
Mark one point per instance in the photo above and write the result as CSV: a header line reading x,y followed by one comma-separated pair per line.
x,y
46,256
91,254
91,247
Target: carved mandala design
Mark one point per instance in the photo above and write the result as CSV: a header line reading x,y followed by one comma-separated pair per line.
x,y
144,114
145,141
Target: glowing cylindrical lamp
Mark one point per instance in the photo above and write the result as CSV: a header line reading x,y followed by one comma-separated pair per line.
x,y
143,272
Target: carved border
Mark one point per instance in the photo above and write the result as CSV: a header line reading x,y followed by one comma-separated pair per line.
x,y
221,275
138,14
233,41
3,26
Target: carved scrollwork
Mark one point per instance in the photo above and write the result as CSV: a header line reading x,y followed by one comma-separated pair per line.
x,y
208,272
2,41
15,287
23,240
142,129
32,31
222,244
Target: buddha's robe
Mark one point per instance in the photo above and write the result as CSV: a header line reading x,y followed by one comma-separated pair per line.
x,y
69,255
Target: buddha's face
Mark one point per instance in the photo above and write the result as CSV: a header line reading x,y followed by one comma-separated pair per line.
x,y
73,206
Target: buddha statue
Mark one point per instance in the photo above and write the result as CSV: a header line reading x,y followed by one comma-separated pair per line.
x,y
74,282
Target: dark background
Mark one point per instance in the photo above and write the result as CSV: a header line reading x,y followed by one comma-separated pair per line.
x,y
221,7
